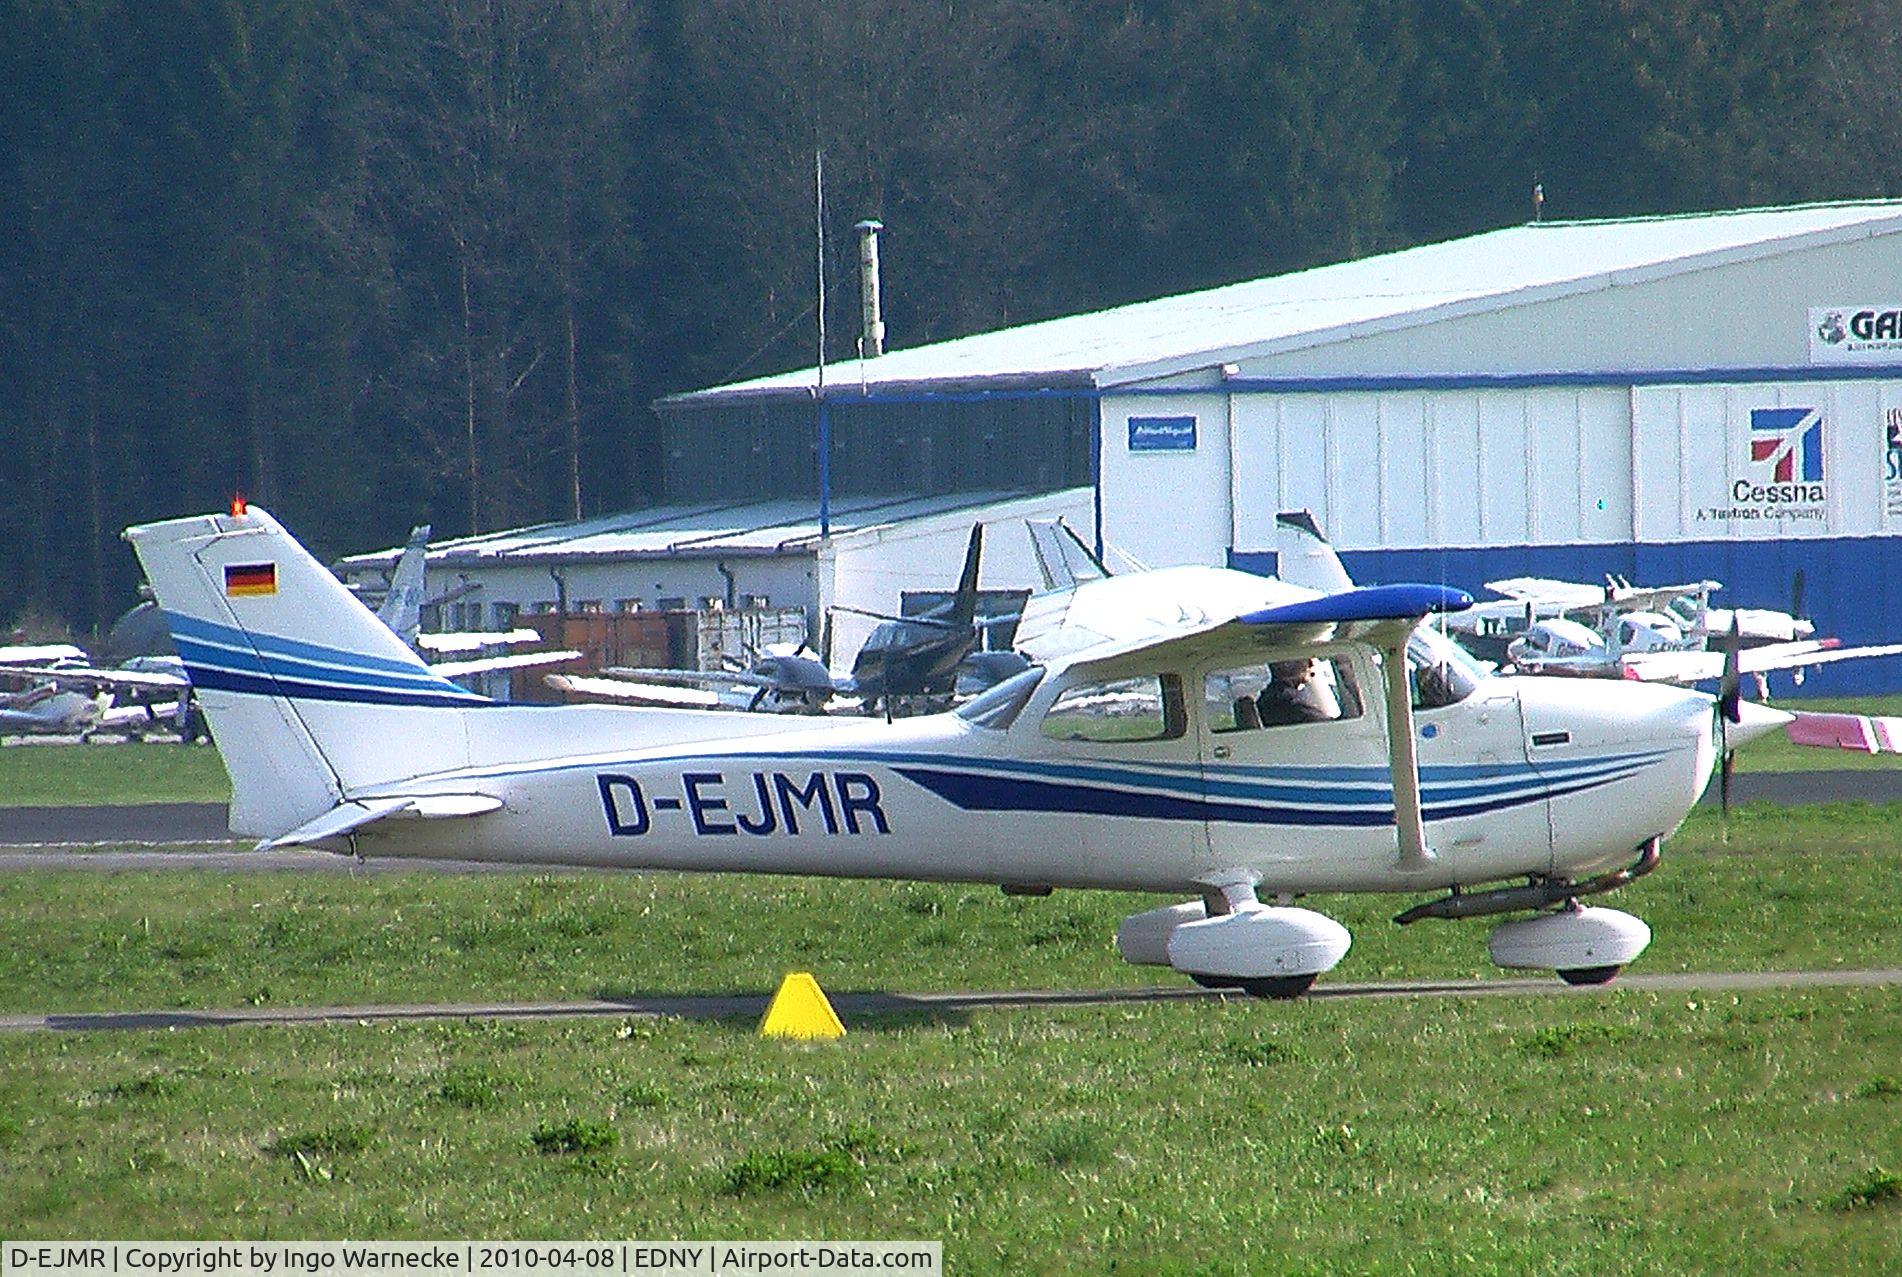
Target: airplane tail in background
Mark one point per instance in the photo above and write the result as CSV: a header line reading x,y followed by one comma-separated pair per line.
x,y
964,603
308,694
1304,557
402,608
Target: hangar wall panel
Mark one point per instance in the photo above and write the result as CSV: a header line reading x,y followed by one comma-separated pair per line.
x,y
1413,468
1169,491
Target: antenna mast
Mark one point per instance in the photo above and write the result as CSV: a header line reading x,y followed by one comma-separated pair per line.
x,y
819,387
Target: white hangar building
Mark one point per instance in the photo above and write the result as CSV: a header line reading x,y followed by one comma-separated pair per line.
x,y
1670,398
751,556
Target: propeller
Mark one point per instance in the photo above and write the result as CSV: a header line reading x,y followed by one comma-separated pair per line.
x,y
1728,708
1796,596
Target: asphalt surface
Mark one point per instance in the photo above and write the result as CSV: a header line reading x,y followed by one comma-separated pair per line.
x,y
141,824
939,1006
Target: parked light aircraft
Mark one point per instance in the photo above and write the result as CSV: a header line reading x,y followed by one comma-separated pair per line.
x,y
1137,754
1667,615
905,658
1646,652
60,692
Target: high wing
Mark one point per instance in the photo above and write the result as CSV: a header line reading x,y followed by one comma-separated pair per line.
x,y
668,695
1655,598
40,653
1697,666
484,641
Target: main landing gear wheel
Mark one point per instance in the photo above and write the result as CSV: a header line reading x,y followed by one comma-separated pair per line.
x,y
1280,987
1589,975
1216,981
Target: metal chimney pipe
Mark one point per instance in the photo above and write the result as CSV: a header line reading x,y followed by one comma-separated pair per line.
x,y
872,334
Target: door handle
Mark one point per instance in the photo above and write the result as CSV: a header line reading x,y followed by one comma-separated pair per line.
x,y
1221,751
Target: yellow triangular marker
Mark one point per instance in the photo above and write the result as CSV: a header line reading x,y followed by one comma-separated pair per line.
x,y
800,1010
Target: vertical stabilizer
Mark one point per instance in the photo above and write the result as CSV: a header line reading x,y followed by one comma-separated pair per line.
x,y
402,608
298,679
1304,556
964,603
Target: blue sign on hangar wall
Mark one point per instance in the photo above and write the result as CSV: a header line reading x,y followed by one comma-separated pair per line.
x,y
1162,434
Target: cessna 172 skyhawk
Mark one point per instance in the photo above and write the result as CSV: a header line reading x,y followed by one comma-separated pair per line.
x,y
1195,731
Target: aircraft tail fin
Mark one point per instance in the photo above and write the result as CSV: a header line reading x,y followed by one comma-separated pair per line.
x,y
307,693
402,608
964,603
1304,556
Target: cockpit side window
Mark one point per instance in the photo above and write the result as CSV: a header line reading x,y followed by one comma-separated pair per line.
x,y
1280,694
1118,711
1438,671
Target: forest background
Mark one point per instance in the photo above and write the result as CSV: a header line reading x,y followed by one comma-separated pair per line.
x,y
380,262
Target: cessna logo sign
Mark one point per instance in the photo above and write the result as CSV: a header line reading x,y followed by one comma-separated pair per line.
x,y
1892,462
1869,334
1783,472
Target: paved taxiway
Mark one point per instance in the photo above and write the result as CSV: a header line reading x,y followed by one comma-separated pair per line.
x,y
851,1005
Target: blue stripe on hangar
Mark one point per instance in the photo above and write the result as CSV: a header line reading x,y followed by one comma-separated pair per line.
x,y
1852,585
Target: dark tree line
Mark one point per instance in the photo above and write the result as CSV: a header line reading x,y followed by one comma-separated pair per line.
x,y
373,262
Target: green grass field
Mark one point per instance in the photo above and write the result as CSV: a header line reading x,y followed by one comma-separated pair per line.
x,y
1625,1132
95,775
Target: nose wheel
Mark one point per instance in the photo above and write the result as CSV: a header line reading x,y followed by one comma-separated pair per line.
x,y
1585,976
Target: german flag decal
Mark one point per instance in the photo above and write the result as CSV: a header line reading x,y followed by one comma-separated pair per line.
x,y
249,580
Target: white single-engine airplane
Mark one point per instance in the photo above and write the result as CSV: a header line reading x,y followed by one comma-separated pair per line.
x,y
1196,731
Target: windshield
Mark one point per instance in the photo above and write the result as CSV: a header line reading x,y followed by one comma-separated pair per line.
x,y
998,708
1441,671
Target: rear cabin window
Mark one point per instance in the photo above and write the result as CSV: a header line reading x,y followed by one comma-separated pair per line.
x,y
1117,711
1317,689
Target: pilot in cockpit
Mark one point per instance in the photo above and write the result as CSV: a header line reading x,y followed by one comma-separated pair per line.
x,y
1291,696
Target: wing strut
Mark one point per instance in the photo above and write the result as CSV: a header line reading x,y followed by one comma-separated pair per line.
x,y
1409,824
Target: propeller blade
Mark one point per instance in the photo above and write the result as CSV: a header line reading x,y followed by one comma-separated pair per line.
x,y
1796,596
1723,777
1729,692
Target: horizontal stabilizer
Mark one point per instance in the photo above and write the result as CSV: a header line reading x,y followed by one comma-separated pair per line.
x,y
348,817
